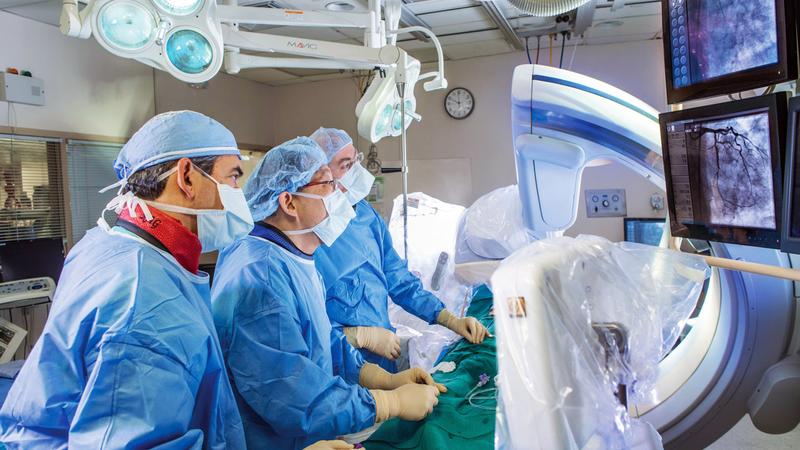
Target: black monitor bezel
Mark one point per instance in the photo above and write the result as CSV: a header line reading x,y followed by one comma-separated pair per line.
x,y
32,258
776,103
625,221
785,69
790,244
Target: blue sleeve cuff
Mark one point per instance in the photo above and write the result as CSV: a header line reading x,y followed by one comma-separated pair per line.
x,y
436,311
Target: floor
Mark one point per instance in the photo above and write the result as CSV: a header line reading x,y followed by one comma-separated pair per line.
x,y
745,436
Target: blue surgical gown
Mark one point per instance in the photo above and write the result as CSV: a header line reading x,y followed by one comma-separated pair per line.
x,y
129,358
361,270
282,353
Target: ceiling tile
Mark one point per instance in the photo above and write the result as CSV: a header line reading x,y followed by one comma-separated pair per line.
x,y
424,55
485,35
469,27
446,41
457,16
4,4
617,38
645,9
631,25
429,6
46,12
471,50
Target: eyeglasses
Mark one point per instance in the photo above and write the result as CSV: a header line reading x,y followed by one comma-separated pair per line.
x,y
357,160
332,183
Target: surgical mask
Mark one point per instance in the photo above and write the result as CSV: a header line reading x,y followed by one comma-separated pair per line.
x,y
358,182
216,228
339,215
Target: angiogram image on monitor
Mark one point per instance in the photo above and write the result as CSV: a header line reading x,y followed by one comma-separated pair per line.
x,y
716,38
726,46
735,170
723,169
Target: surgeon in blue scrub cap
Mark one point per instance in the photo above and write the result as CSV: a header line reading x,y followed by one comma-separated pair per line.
x,y
129,357
361,270
296,379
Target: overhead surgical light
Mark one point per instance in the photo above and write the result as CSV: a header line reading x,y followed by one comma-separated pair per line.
x,y
179,7
191,39
189,51
182,37
379,110
126,25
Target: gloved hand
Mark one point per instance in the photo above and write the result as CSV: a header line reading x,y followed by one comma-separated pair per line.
x,y
375,339
329,445
468,327
408,402
373,376
415,375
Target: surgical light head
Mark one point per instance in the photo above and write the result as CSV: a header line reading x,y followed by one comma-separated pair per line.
x,y
127,26
182,37
379,111
179,7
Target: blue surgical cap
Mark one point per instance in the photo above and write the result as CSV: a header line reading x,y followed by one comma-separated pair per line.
x,y
174,135
331,140
285,168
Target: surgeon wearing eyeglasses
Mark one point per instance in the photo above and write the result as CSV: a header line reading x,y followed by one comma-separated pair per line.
x,y
296,379
361,270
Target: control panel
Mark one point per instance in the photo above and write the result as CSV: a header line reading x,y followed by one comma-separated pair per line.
x,y
20,293
606,203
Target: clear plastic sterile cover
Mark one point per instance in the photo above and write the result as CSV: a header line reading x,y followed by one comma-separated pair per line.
x,y
491,229
432,230
555,300
493,226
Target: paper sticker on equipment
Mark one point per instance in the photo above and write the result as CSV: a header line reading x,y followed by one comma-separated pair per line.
x,y
516,307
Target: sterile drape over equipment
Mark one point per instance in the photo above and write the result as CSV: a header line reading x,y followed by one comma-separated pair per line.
x,y
579,323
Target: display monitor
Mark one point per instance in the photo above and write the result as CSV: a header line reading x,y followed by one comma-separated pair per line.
x,y
31,259
644,231
790,237
722,166
726,46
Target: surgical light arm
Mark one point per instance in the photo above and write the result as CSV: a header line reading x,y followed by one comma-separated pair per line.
x,y
288,17
438,82
73,23
326,55
193,45
374,53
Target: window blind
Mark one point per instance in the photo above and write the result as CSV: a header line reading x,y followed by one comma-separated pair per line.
x,y
90,167
32,195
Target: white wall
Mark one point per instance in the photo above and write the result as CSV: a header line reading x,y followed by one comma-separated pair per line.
x,y
245,107
484,138
88,90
